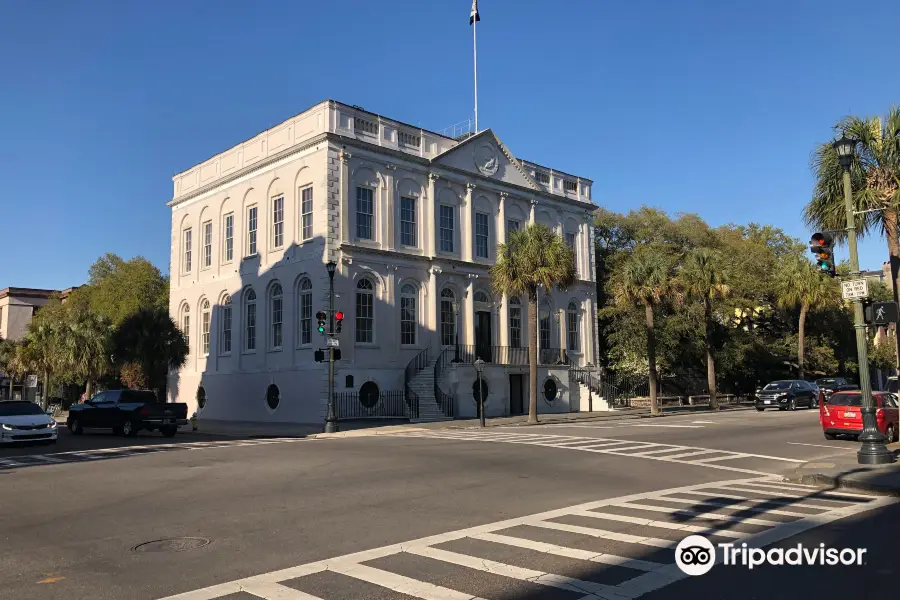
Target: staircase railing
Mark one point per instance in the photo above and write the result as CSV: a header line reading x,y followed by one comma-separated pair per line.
x,y
444,401
613,395
419,362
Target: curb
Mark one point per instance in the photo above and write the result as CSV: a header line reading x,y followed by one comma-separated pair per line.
x,y
841,483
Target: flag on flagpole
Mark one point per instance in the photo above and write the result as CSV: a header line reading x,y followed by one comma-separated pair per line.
x,y
474,16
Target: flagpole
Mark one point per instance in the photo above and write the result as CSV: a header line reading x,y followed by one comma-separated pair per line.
x,y
475,54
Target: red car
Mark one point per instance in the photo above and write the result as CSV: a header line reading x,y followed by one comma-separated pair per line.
x,y
841,414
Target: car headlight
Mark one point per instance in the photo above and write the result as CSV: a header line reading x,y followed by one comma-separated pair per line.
x,y
6,426
53,424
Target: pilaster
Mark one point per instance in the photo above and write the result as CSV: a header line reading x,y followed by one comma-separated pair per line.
x,y
429,210
532,211
501,216
389,208
469,311
345,196
466,238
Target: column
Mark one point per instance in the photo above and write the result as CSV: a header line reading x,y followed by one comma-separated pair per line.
x,y
467,313
392,318
531,212
389,207
503,317
429,209
501,226
432,320
590,331
586,247
345,197
561,312
465,236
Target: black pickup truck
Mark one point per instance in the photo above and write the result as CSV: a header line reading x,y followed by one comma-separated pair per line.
x,y
126,412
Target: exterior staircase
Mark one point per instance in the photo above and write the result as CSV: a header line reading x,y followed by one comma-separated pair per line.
x,y
422,384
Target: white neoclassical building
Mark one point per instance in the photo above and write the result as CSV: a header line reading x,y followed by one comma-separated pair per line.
x,y
412,220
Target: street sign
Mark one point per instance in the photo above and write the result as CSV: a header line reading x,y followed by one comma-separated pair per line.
x,y
855,289
31,381
332,342
885,312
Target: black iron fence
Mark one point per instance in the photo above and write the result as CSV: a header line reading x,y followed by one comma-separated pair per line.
x,y
386,405
444,401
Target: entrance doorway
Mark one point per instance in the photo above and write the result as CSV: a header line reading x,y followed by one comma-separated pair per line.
x,y
483,336
516,394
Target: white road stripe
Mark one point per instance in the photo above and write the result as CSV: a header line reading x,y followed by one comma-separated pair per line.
x,y
790,486
742,506
276,591
664,425
812,495
399,583
608,535
776,501
694,453
660,451
659,524
699,514
844,448
606,559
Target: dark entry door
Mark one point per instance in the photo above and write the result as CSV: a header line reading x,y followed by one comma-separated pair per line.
x,y
483,336
516,395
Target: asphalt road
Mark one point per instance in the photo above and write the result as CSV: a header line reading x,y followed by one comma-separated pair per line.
x,y
434,513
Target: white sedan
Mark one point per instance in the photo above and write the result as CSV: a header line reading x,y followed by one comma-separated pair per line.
x,y
23,421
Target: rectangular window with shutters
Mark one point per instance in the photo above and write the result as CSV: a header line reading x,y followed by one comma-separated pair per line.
x,y
188,256
482,230
229,237
408,221
278,221
365,213
251,230
306,211
207,244
446,228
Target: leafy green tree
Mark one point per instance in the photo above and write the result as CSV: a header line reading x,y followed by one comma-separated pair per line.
x,y
801,286
645,278
702,278
535,256
7,358
148,344
118,288
875,177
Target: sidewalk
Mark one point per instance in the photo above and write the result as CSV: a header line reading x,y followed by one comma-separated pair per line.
x,y
846,473
368,427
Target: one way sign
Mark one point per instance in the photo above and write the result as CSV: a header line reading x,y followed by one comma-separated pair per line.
x,y
882,313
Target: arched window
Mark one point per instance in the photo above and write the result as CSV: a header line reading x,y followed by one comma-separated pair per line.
x,y
409,303
481,296
276,303
226,325
545,315
572,326
448,317
204,328
515,322
305,308
186,324
250,320
365,312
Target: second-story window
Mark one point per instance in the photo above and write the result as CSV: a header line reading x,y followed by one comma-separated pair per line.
x,y
250,321
186,324
204,328
207,244
365,312
570,242
229,237
545,325
572,326
305,306
365,213
187,250
251,230
482,230
515,323
275,317
408,221
409,301
446,228
226,325
278,221
306,213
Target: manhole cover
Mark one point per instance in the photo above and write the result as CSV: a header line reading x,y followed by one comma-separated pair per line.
x,y
172,545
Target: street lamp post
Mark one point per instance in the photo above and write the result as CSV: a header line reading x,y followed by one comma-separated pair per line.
x,y
330,420
456,328
479,368
873,451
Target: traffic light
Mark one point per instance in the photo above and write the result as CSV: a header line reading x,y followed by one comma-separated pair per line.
x,y
321,317
338,321
822,245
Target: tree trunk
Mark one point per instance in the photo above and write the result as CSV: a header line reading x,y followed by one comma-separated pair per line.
x,y
11,383
651,357
532,356
87,390
890,226
45,399
710,357
801,339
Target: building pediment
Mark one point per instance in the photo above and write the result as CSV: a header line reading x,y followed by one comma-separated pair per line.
x,y
485,155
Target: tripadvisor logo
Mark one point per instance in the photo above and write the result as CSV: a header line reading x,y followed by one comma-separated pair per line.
x,y
696,555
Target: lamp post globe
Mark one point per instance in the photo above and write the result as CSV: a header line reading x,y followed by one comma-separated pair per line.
x,y
844,147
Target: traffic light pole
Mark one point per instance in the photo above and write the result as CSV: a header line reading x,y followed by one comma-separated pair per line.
x,y
330,420
873,451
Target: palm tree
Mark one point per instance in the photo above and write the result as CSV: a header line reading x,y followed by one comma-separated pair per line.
x,y
645,278
85,347
875,175
702,278
7,356
798,284
535,256
151,344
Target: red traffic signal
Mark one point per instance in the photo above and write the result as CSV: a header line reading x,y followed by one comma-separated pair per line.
x,y
338,321
339,316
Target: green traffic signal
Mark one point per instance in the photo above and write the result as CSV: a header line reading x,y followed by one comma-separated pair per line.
x,y
320,317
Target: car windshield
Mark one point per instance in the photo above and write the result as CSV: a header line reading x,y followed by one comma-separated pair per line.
x,y
777,386
18,409
825,381
845,400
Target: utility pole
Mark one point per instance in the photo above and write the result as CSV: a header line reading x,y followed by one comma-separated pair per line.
x,y
330,420
872,451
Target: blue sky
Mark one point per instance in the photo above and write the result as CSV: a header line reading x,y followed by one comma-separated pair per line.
x,y
692,106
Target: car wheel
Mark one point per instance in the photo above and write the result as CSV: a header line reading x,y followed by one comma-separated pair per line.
x,y
889,434
830,436
814,403
75,426
168,431
792,405
129,429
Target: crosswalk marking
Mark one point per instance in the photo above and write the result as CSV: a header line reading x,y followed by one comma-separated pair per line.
x,y
742,506
711,458
648,575
818,495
